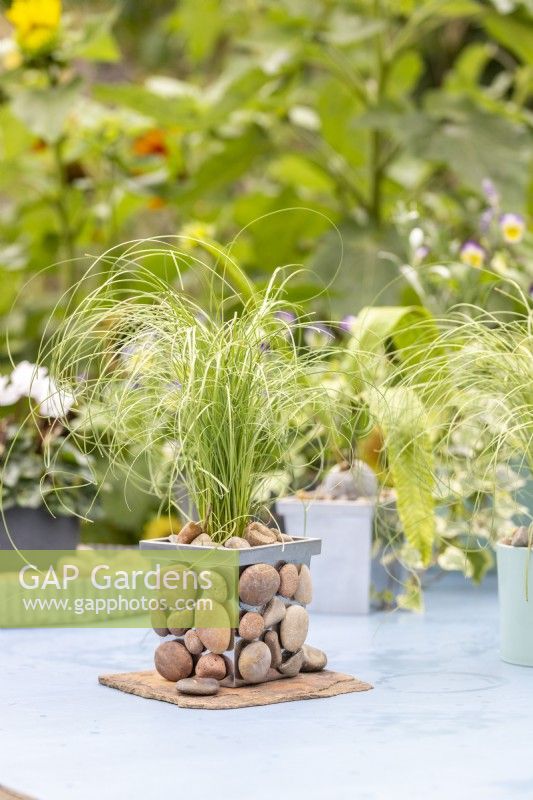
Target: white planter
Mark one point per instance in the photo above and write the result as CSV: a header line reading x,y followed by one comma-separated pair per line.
x,y
515,590
341,578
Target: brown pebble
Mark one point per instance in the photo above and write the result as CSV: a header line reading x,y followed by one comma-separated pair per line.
x,y
254,662
289,580
258,584
192,643
218,591
215,639
189,532
251,626
293,629
520,537
180,621
204,540
211,665
314,659
159,622
304,592
271,640
237,543
173,661
291,663
274,612
213,628
257,534
198,686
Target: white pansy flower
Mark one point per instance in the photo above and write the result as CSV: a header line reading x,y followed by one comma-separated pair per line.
x,y
8,393
53,402
416,238
28,379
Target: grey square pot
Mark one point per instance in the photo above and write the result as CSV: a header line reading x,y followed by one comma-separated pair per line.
x,y
299,551
37,529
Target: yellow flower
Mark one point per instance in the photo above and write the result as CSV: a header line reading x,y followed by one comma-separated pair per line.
x,y
512,227
196,234
36,22
472,254
157,527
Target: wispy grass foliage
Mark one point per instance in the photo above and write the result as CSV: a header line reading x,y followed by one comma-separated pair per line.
x,y
476,381
212,398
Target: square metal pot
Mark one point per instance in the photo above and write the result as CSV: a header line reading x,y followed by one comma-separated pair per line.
x,y
299,551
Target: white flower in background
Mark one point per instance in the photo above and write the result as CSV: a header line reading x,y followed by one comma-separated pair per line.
x,y
305,117
10,55
29,379
53,401
416,238
276,60
8,393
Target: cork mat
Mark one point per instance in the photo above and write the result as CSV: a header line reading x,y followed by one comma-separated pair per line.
x,y
9,794
306,686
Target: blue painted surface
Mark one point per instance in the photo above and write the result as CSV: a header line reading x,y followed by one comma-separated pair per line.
x,y
447,718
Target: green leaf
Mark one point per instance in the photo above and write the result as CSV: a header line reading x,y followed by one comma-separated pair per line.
x,y
401,416
98,42
468,67
404,73
352,29
14,137
411,598
455,8
475,145
513,32
200,30
165,111
409,328
229,160
45,111
300,173
352,262
481,561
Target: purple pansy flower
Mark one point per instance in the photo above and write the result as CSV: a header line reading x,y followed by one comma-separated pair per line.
x,y
347,323
472,254
513,227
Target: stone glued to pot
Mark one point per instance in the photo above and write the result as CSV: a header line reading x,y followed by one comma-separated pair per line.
x,y
251,625
294,627
291,663
258,584
211,665
254,662
272,642
193,643
289,580
173,661
304,592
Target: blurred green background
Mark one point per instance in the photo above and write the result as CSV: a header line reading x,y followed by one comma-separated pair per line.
x,y
365,140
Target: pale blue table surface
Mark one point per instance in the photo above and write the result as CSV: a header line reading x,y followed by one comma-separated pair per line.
x,y
446,719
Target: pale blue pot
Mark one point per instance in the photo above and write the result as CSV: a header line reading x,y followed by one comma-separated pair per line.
x,y
515,589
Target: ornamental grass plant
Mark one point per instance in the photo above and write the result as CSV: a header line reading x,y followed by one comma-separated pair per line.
x,y
210,398
476,382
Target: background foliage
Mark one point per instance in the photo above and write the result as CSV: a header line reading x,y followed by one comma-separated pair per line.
x,y
314,132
